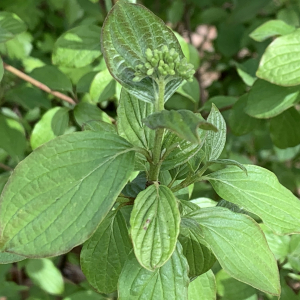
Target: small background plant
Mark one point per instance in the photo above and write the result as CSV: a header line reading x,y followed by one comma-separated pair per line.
x,y
198,118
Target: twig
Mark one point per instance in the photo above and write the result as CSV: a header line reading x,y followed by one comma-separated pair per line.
x,y
5,167
37,83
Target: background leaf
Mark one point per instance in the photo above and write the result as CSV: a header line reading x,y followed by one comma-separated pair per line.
x,y
278,62
79,174
77,47
7,258
260,193
53,123
154,224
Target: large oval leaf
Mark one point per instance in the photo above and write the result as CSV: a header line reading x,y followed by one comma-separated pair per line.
x,y
195,249
58,195
127,32
104,254
131,112
280,62
203,287
240,247
154,221
260,193
168,282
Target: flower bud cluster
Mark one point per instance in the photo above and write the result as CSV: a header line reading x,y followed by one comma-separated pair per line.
x,y
163,63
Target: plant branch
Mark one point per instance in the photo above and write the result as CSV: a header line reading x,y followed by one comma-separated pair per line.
x,y
5,167
38,84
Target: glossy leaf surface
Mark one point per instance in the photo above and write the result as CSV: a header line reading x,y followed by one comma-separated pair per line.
x,y
79,174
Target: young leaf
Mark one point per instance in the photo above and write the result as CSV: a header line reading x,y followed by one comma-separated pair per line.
x,y
154,221
12,137
104,254
77,47
45,275
240,247
231,289
128,31
79,175
284,129
170,281
1,69
215,141
271,28
181,154
203,287
131,112
241,123
195,249
229,162
278,62
267,100
10,26
260,193
184,123
102,87
53,78
7,258
85,112
53,123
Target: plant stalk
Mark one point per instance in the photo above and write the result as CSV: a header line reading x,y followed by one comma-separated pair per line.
x,y
159,134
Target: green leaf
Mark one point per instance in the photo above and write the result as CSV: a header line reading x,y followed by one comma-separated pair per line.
x,y
1,69
279,62
195,249
52,124
45,275
241,123
52,77
190,90
284,129
84,83
184,123
154,221
131,112
215,141
28,97
203,287
271,28
137,185
12,137
79,175
102,87
289,16
99,126
240,247
128,31
219,102
10,26
230,289
204,202
104,254
86,295
260,193
85,112
77,47
294,252
229,162
181,154
168,282
7,258
267,100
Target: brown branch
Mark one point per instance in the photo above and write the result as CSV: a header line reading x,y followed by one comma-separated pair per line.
x,y
5,167
37,83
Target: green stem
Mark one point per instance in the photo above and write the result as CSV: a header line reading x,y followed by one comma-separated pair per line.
x,y
159,134
191,179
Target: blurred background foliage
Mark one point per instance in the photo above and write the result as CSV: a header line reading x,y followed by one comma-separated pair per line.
x,y
57,42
